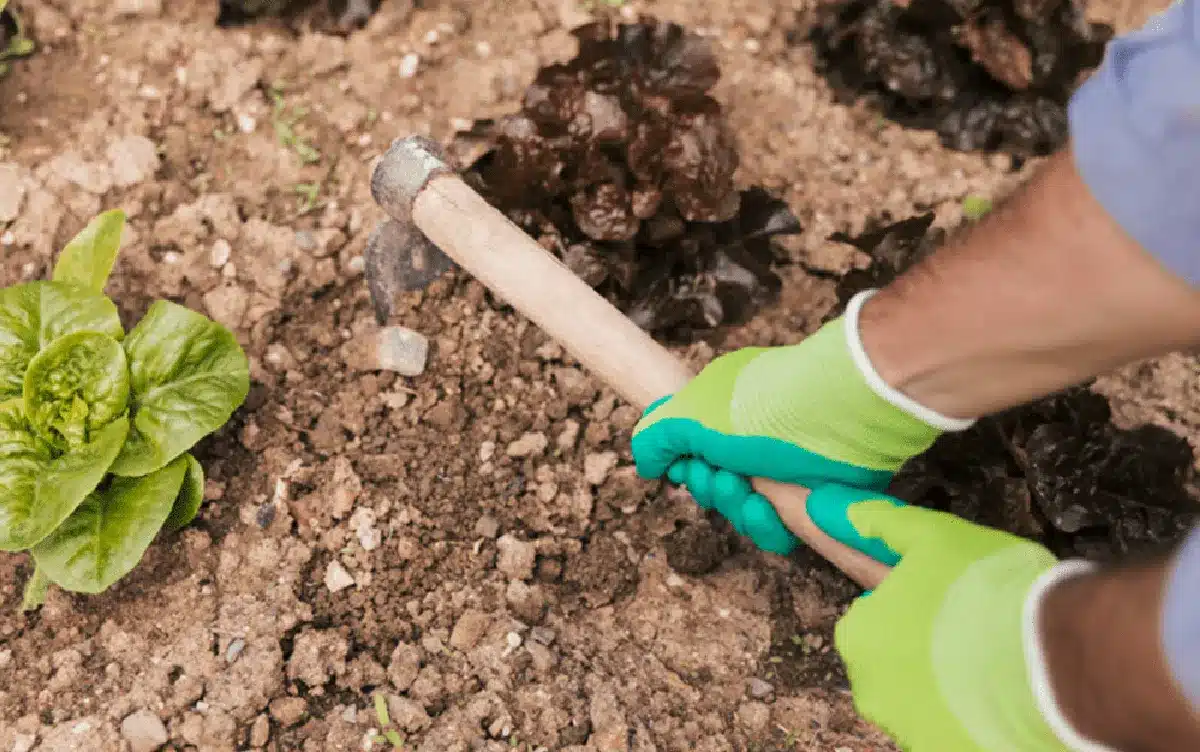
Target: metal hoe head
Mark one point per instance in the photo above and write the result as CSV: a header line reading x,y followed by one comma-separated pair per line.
x,y
399,257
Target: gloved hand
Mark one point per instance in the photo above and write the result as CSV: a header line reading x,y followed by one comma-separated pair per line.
x,y
937,654
812,414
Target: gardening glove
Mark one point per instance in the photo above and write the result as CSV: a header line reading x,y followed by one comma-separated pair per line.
x,y
813,414
944,655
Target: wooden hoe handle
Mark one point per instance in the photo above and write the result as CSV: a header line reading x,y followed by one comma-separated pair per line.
x,y
413,184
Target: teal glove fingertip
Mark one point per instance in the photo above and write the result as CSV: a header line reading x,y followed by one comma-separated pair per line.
x,y
829,506
764,527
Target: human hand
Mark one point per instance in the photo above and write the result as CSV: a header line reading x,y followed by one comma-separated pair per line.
x,y
936,653
811,414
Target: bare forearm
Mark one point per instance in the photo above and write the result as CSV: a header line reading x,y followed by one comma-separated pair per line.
x,y
1101,636
1045,292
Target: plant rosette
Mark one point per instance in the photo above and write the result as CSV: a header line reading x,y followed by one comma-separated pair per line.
x,y
96,424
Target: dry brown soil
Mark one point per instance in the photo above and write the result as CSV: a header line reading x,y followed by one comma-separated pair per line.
x,y
516,587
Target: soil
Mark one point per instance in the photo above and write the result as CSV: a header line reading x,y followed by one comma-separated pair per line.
x,y
498,571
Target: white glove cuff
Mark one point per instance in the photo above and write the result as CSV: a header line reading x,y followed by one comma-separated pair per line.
x,y
881,387
1035,658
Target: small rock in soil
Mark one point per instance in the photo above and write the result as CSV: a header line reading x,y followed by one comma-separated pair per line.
x,y
527,601
144,731
760,689
134,159
12,193
144,8
404,666
469,629
487,526
260,732
288,711
988,76
407,714
392,348
530,444
337,578
517,557
598,465
236,646
754,716
622,164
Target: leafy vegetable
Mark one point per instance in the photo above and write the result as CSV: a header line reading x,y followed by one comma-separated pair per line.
x,y
39,490
106,536
189,375
88,259
34,314
76,386
95,427
191,495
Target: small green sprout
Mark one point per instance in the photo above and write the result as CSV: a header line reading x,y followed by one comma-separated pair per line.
x,y
286,120
975,207
390,735
309,194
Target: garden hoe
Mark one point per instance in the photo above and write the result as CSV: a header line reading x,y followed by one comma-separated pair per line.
x,y
435,215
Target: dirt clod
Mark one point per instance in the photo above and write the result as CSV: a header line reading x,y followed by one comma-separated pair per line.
x,y
516,558
144,731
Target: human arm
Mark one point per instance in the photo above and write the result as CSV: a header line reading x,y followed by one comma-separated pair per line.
x,y
1121,651
1090,266
1045,292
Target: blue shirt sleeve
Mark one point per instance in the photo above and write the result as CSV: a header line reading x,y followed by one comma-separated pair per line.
x,y
1135,131
1181,619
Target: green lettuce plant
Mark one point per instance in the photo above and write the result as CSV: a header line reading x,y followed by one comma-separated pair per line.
x,y
96,424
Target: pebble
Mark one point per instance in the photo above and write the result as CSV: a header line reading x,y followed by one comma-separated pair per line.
x,y
754,716
235,649
12,193
543,635
759,689
526,601
5,658
337,578
144,8
532,443
219,255
407,714
404,666
144,731
260,732
487,526
469,629
363,524
487,450
392,348
23,742
597,466
134,159
409,64
288,711
517,557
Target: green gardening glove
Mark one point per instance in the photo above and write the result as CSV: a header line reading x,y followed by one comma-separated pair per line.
x,y
937,654
812,414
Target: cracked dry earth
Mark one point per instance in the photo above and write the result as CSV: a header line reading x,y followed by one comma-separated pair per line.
x,y
471,543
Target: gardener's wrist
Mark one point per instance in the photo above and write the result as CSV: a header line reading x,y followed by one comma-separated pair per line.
x,y
1045,292
1096,661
